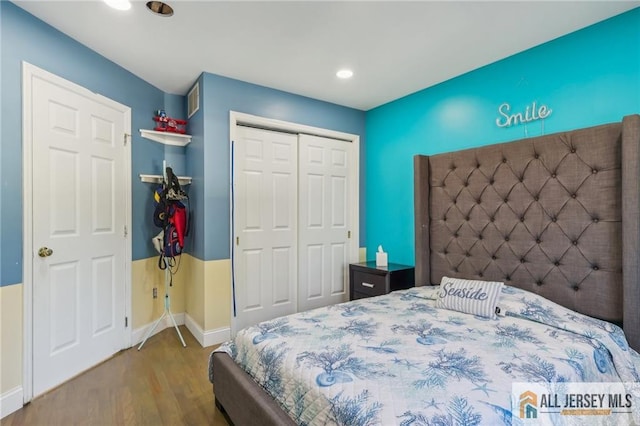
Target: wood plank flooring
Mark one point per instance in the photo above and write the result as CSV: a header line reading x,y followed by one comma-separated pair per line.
x,y
162,384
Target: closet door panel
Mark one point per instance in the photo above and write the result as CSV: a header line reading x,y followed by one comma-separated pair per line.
x,y
265,222
324,224
293,196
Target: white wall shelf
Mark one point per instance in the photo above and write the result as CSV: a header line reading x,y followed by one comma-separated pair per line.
x,y
183,180
167,138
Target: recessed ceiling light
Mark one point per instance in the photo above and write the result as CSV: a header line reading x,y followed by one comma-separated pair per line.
x,y
160,8
344,74
119,4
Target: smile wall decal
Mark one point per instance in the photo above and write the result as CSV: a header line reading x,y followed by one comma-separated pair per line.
x,y
531,113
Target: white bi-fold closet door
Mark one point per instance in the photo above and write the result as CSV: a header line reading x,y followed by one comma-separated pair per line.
x,y
292,229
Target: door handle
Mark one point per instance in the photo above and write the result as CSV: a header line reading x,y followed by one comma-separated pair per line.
x,y
45,252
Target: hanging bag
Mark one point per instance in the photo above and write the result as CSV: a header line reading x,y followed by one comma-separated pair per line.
x,y
171,215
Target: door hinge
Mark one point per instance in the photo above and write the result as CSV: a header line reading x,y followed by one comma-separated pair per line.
x,y
126,232
126,136
237,241
126,322
348,234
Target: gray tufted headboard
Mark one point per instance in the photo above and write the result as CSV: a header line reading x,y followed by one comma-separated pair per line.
x,y
557,215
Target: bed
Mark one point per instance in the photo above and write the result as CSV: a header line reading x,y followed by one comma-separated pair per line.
x,y
555,218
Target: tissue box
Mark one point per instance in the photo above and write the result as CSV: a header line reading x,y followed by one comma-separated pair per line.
x,y
381,259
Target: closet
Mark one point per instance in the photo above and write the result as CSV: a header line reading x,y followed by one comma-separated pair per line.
x,y
293,201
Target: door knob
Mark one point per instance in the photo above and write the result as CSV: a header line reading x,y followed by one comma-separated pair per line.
x,y
45,252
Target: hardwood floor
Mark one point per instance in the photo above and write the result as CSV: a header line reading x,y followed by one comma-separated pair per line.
x,y
162,384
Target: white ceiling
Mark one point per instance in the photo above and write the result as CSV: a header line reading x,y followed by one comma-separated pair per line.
x,y
394,48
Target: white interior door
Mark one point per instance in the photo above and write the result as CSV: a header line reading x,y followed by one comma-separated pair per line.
x,y
265,206
324,221
79,217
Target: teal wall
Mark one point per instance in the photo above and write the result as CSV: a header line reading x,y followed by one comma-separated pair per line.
x,y
587,78
209,153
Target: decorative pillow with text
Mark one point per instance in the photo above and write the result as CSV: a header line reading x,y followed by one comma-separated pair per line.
x,y
469,296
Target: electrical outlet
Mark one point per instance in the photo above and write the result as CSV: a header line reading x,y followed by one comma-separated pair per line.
x,y
155,292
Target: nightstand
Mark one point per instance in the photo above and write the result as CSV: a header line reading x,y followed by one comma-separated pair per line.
x,y
366,279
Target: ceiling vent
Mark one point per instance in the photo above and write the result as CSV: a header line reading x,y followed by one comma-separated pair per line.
x,y
193,100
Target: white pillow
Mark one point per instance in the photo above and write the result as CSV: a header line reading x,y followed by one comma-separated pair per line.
x,y
469,296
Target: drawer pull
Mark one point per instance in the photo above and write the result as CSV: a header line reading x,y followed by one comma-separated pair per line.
x,y
368,285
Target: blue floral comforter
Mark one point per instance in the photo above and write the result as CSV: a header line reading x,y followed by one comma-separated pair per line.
x,y
397,359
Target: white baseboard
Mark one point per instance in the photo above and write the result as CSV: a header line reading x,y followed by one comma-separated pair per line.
x,y
216,336
209,337
138,334
10,401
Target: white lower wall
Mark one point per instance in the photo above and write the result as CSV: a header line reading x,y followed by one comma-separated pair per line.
x,y
11,340
145,311
362,254
204,337
138,334
11,401
208,337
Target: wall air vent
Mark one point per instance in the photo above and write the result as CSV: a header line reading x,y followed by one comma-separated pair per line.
x,y
193,100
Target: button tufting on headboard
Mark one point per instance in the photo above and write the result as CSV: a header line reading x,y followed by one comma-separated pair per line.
x,y
589,242
542,213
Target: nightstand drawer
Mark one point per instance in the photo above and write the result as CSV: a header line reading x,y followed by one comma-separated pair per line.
x,y
370,284
366,279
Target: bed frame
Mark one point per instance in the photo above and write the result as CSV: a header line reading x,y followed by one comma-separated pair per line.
x,y
558,215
